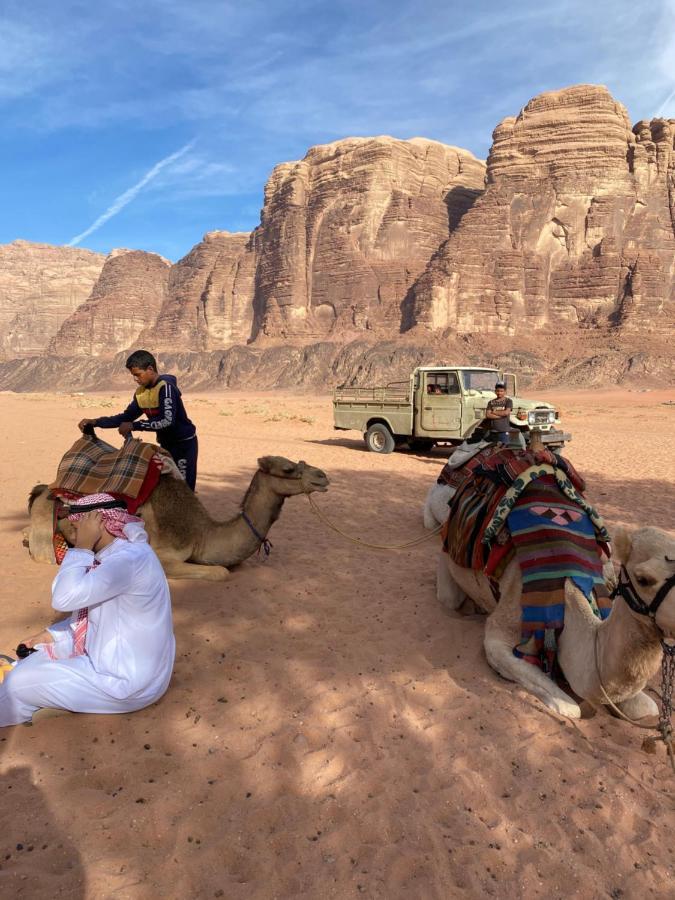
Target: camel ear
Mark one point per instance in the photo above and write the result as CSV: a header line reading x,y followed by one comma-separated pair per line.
x,y
622,542
264,464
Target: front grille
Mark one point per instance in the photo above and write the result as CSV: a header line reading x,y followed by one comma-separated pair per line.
x,y
540,416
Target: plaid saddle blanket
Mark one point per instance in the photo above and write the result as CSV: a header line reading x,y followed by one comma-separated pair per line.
x,y
91,467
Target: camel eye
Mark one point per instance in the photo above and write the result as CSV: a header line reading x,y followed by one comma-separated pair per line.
x,y
644,580
288,469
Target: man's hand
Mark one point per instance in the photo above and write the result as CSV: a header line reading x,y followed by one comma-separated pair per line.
x,y
125,428
89,530
84,423
44,637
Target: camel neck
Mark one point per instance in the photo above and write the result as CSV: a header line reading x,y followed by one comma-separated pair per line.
x,y
629,648
262,508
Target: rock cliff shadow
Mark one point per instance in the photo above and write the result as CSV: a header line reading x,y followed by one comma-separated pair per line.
x,y
327,722
323,696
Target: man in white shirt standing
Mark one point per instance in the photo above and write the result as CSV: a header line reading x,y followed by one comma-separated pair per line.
x,y
115,652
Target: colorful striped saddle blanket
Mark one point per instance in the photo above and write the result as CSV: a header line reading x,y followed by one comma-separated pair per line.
x,y
530,505
553,539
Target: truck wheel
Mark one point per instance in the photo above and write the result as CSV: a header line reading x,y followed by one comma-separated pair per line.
x,y
379,439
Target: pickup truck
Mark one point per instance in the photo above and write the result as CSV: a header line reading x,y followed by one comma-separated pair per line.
x,y
438,404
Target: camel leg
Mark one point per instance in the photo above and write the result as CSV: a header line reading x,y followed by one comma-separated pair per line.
x,y
639,706
174,568
448,592
499,652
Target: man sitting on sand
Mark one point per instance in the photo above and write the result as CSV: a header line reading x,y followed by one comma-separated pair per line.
x,y
115,652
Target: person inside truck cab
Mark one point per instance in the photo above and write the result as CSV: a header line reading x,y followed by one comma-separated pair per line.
x,y
497,414
434,389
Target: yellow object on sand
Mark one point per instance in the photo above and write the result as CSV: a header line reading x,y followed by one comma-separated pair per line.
x,y
4,669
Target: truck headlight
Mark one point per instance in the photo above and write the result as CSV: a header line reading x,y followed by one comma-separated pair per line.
x,y
521,415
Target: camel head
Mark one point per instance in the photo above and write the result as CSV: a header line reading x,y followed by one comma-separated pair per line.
x,y
648,556
287,478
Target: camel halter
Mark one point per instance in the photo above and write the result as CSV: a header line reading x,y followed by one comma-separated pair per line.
x,y
626,589
265,543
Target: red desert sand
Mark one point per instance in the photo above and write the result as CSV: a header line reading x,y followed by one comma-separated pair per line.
x,y
329,731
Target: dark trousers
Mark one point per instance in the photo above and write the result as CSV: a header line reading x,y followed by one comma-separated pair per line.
x,y
184,454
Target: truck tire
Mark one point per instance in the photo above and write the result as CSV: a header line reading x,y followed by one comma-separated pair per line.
x,y
379,439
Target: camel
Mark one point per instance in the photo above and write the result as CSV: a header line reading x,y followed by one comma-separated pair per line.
x,y
187,540
626,646
435,509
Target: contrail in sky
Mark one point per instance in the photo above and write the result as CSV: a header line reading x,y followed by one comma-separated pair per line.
x,y
120,202
665,103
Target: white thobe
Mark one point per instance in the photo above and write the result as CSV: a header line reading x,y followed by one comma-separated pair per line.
x,y
130,647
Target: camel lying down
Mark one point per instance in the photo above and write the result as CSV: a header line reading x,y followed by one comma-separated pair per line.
x,y
187,540
628,643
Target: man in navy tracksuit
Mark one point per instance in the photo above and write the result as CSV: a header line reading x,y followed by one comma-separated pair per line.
x,y
159,398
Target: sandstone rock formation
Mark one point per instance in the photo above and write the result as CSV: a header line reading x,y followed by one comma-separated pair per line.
x,y
209,298
559,262
346,231
129,294
576,227
40,286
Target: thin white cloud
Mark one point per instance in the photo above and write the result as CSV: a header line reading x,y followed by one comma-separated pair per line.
x,y
126,198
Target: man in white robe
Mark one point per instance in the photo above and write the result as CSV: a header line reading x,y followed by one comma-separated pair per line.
x,y
115,652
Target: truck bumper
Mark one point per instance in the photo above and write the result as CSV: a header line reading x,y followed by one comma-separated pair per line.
x,y
554,437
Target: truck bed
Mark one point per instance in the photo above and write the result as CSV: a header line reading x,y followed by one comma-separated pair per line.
x,y
394,394
355,407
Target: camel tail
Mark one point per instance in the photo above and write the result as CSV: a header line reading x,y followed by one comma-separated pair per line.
x,y
37,491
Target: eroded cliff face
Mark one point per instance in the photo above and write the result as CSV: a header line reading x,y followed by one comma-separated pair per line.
x,y
566,241
128,294
40,286
209,298
346,231
576,227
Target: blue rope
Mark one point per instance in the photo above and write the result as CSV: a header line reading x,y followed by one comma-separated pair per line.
x,y
265,544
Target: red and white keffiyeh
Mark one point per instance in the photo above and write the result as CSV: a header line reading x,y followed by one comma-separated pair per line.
x,y
114,519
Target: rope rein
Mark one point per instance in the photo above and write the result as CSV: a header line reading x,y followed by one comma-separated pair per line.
x,y
362,543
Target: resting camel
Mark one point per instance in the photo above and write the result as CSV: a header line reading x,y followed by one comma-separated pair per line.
x,y
628,642
188,541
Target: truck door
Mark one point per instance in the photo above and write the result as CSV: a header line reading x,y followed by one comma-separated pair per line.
x,y
441,405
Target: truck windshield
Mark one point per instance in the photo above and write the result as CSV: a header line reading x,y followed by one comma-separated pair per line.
x,y
480,380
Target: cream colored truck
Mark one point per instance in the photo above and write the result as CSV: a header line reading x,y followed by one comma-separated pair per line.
x,y
438,404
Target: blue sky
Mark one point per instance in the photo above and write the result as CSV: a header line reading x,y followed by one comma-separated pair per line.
x,y
145,124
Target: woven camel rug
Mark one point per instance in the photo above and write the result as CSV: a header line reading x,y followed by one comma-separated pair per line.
x,y
553,539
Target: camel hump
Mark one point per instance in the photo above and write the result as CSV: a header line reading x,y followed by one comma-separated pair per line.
x,y
37,491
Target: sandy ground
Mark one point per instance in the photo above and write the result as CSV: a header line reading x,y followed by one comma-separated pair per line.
x,y
329,732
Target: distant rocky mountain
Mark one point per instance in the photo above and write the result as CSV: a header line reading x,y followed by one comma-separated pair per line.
x,y
40,286
375,253
575,229
129,293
